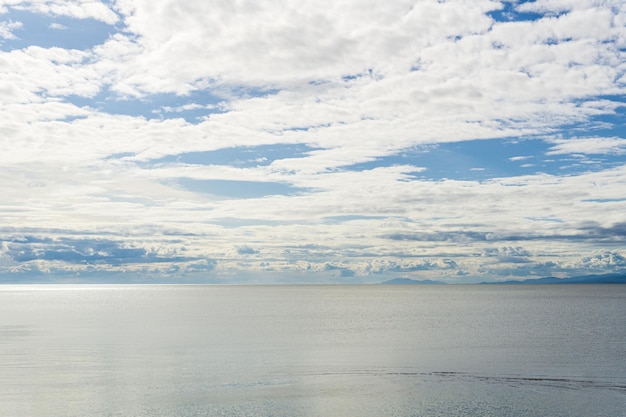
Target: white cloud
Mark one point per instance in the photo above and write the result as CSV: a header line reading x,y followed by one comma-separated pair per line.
x,y
454,96
7,28
267,43
57,26
590,146
600,261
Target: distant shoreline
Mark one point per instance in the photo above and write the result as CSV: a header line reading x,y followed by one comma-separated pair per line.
x,y
584,279
613,278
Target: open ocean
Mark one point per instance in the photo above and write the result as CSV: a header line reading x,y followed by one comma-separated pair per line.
x,y
370,350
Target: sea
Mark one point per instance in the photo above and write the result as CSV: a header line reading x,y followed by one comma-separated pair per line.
x,y
313,350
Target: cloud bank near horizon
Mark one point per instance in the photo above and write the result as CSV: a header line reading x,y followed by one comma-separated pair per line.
x,y
317,142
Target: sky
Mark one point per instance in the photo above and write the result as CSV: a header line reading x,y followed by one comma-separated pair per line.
x,y
311,141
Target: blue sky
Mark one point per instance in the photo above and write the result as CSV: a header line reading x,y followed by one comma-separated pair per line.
x,y
332,142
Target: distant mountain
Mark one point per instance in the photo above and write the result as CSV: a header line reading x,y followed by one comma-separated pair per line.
x,y
584,279
408,281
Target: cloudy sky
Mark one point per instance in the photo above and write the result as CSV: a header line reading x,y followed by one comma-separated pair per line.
x,y
311,141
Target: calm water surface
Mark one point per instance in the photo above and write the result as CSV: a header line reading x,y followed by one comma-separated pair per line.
x,y
313,350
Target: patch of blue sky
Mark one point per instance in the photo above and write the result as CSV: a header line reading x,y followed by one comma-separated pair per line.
x,y
242,157
352,77
546,219
239,189
193,107
480,160
54,31
509,12
248,91
119,155
605,200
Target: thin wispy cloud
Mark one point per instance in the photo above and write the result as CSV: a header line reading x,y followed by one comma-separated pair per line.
x,y
7,29
322,142
606,145
57,26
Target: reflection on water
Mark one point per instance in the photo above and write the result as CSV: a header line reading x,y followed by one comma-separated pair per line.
x,y
312,351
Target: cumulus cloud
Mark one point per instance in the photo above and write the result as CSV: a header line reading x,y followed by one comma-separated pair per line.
x,y
246,250
81,251
509,254
76,258
607,260
307,42
411,265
